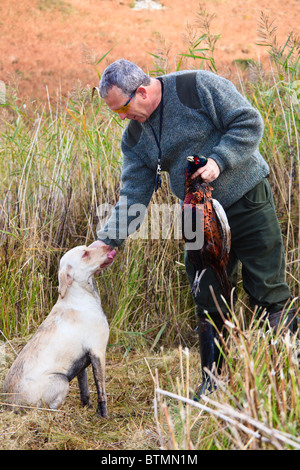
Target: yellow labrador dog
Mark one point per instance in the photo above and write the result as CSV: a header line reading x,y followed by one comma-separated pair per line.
x,y
74,335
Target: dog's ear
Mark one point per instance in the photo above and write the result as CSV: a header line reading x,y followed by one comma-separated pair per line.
x,y
86,254
65,280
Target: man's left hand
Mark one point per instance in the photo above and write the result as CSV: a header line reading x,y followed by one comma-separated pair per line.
x,y
209,172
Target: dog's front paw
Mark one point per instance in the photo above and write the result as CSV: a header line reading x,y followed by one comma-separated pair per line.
x,y
102,409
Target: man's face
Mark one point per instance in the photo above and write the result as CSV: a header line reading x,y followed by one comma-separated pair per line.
x,y
136,107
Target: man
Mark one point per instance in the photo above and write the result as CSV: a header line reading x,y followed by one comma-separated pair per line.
x,y
198,112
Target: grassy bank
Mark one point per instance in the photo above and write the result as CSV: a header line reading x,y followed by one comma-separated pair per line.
x,y
59,161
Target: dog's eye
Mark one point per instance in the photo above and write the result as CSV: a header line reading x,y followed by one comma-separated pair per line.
x,y
86,254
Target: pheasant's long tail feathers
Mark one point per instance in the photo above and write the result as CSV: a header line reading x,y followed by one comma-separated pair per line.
x,y
223,280
225,228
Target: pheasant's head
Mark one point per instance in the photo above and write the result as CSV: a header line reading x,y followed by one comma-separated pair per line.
x,y
195,162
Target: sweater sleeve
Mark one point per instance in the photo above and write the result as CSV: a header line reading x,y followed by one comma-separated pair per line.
x,y
240,124
137,186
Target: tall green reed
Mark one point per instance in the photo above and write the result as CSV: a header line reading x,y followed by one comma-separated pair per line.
x,y
277,97
52,164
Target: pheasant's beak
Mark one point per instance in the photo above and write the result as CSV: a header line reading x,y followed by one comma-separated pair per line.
x,y
190,158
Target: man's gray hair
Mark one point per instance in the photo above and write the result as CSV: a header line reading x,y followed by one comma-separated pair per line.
x,y
123,74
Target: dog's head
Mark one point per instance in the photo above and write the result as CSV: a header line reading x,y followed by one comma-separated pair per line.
x,y
82,262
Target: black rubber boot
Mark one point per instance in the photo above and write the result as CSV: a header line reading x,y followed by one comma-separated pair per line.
x,y
283,321
211,357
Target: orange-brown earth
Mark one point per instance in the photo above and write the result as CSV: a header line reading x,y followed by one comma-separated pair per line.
x,y
41,41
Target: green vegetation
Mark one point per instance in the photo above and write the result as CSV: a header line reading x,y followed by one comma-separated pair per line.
x,y
55,5
59,161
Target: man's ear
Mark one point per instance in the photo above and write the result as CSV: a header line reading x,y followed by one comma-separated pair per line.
x,y
142,91
65,279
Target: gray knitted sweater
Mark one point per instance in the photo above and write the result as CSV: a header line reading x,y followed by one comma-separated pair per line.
x,y
203,114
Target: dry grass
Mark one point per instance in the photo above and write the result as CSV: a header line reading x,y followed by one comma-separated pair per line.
x,y
131,424
151,406
256,405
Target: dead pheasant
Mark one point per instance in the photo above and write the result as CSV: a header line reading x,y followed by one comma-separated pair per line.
x,y
214,251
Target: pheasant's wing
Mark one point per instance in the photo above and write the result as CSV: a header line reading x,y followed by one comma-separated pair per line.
x,y
222,217
192,223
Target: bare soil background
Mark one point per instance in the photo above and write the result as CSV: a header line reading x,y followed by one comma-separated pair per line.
x,y
41,41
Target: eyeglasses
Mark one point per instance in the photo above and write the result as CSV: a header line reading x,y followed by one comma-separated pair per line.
x,y
124,108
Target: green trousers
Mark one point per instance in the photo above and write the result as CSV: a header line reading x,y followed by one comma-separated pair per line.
x,y
256,241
